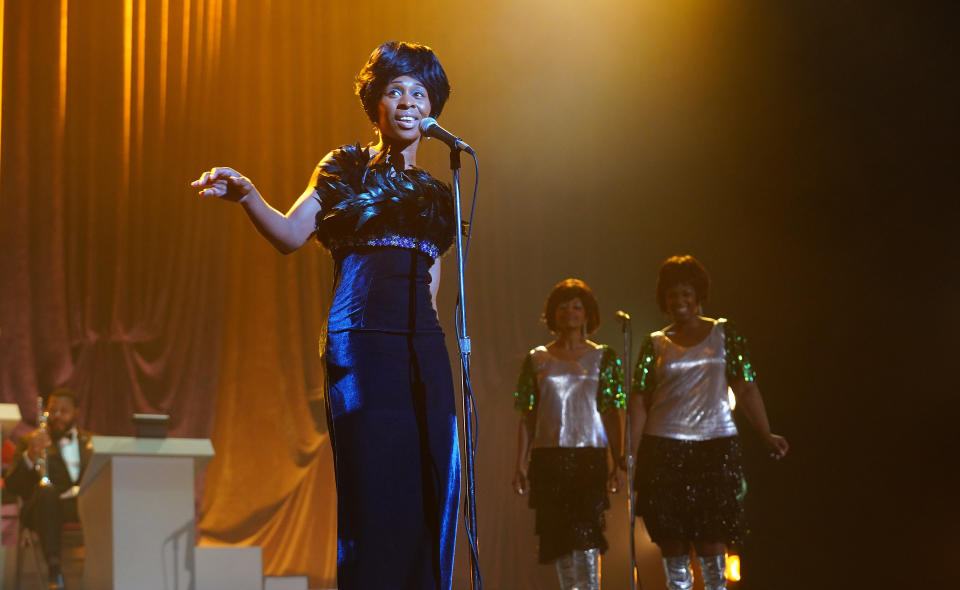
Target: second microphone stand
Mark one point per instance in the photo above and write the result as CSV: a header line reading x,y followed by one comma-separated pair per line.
x,y
628,443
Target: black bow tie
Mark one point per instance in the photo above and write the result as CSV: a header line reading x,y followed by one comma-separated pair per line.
x,y
67,436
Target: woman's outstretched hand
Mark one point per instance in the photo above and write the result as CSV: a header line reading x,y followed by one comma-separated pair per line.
x,y
224,183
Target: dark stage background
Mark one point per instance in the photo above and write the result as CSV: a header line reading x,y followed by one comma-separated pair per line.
x,y
803,151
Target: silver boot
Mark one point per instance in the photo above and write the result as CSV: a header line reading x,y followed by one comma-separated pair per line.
x,y
579,570
591,569
713,568
679,573
567,571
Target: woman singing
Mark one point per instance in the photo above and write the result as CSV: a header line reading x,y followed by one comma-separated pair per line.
x,y
569,393
689,475
390,395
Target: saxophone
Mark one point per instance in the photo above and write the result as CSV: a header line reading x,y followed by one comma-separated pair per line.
x,y
41,465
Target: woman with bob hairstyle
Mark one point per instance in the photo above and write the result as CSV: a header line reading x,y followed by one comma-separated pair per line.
x,y
390,400
689,475
569,394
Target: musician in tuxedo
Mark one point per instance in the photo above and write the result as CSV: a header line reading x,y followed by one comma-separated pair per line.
x,y
68,450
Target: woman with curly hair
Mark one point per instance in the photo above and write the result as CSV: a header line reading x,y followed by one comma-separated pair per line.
x,y
391,413
569,394
689,476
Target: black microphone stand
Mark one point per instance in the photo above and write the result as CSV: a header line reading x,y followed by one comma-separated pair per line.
x,y
463,343
627,345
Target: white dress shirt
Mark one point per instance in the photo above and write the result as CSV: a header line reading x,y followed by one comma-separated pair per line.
x,y
70,452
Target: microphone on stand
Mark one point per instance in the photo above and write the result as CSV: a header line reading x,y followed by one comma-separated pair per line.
x,y
624,319
430,128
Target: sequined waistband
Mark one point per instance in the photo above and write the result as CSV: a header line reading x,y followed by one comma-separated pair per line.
x,y
391,240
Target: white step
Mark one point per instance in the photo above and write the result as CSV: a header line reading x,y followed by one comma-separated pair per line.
x,y
229,568
285,583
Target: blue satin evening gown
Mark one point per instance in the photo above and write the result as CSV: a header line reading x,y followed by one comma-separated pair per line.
x,y
391,409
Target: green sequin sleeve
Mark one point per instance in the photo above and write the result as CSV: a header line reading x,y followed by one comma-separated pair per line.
x,y
644,377
525,396
610,391
739,362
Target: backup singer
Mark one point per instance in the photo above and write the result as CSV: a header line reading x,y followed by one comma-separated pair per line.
x,y
689,475
389,387
569,393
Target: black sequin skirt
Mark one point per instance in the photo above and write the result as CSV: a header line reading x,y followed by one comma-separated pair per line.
x,y
691,490
568,491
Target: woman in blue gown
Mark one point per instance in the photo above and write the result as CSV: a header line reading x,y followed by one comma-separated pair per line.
x,y
390,398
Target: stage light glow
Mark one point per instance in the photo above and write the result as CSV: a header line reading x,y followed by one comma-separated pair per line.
x,y
732,398
141,61
62,97
732,572
164,54
184,55
127,88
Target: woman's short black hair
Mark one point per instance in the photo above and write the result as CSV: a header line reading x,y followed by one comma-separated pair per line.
x,y
682,269
566,290
399,58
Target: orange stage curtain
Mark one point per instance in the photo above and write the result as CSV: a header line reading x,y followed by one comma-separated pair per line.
x,y
120,283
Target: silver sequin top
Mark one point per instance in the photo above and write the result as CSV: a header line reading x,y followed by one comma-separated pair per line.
x,y
567,414
690,401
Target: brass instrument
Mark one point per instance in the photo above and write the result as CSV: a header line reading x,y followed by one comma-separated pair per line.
x,y
41,465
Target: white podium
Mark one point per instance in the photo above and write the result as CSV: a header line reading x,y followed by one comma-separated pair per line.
x,y
137,507
9,417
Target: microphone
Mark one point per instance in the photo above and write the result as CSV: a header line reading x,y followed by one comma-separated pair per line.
x,y
624,319
431,128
